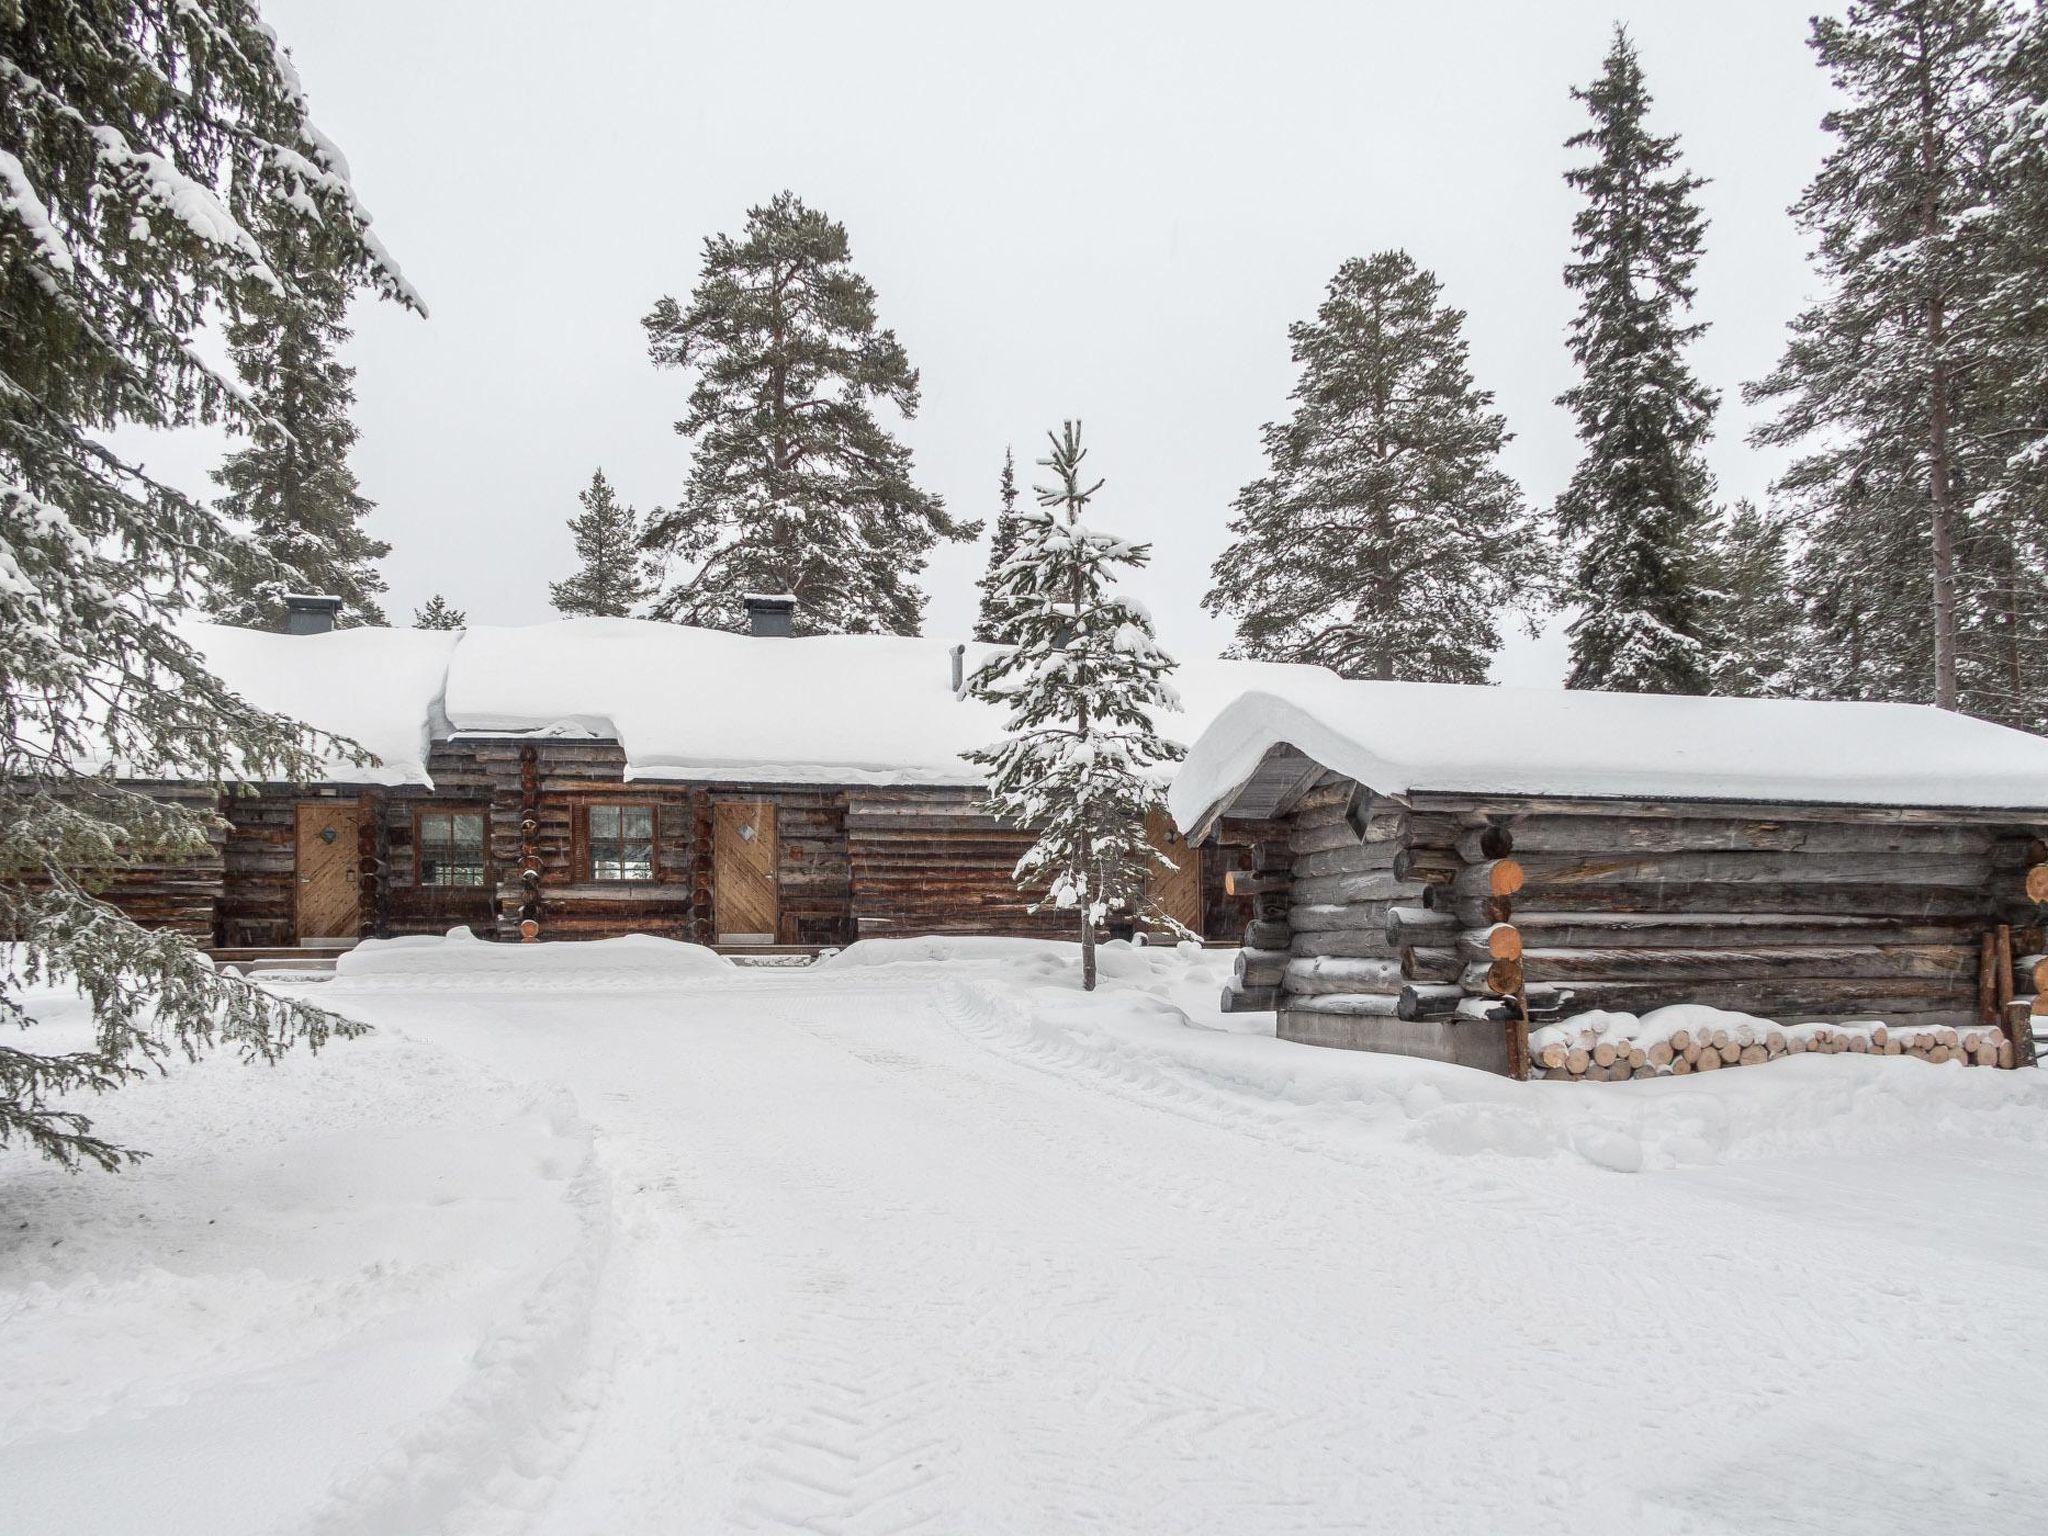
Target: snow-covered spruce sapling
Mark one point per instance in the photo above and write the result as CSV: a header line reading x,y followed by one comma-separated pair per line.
x,y
1638,515
438,613
1384,540
612,579
153,160
994,621
292,488
1081,682
794,484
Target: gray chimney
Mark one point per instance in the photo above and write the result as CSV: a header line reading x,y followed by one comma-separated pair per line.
x,y
770,615
307,613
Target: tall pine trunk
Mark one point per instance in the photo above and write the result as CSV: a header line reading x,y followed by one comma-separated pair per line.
x,y
1939,509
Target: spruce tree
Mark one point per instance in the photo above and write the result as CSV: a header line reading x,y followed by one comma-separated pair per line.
x,y
439,614
1882,385
996,621
613,579
292,487
1384,536
1638,513
794,485
1757,621
1080,683
153,157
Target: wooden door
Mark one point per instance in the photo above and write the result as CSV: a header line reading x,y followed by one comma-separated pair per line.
x,y
329,895
743,871
1177,891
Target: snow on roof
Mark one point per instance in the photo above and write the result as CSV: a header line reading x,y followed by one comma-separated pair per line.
x,y
378,687
703,704
1401,737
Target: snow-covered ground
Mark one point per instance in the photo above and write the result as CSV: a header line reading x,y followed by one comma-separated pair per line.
x,y
922,1239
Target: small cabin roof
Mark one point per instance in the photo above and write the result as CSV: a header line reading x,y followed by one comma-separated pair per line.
x,y
1408,738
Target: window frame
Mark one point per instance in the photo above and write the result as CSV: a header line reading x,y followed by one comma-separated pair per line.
x,y
587,844
422,814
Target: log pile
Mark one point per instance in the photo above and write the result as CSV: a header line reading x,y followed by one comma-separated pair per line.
x,y
1589,1054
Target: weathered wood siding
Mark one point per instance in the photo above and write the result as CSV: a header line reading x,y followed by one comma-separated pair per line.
x,y
926,860
181,894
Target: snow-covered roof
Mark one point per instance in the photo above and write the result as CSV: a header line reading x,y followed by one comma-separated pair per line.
x,y
683,703
1453,738
377,687
824,709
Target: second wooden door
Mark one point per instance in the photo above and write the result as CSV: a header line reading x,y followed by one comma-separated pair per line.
x,y
743,871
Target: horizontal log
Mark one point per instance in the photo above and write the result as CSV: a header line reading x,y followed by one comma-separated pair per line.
x,y
1940,962
1499,941
1272,854
1360,943
1317,974
2037,884
1356,1005
1260,967
1320,839
1719,896
1709,930
1372,885
1242,882
1268,934
1428,1000
1550,871
1423,963
2030,973
1469,911
1497,977
1408,926
1242,999
1318,917
1495,877
1356,858
1427,866
1476,845
1702,834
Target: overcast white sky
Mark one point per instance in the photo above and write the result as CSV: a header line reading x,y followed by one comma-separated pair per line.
x,y
1110,211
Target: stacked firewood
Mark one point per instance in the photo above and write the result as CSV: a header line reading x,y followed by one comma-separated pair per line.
x,y
1592,1055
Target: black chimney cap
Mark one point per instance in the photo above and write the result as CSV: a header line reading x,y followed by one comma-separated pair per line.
x,y
309,613
770,615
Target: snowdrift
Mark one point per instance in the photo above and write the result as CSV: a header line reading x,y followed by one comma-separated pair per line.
x,y
460,957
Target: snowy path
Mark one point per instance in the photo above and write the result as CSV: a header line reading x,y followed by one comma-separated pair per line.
x,y
888,1250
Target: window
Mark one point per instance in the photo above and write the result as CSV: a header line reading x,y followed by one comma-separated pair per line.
x,y
621,842
449,847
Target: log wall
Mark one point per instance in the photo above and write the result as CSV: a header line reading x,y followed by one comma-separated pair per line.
x,y
1451,921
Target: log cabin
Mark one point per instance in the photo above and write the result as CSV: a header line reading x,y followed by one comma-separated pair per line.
x,y
587,778
1459,863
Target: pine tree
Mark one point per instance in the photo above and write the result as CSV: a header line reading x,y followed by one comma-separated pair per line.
x,y
2005,643
439,614
1638,513
151,159
292,487
613,580
1384,536
1080,684
794,485
997,620
1881,384
1758,621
